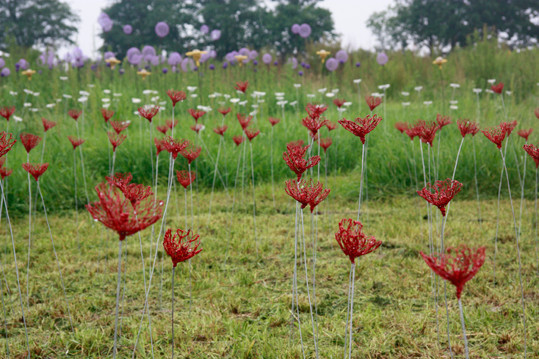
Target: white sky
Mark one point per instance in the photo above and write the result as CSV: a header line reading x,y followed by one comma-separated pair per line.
x,y
350,17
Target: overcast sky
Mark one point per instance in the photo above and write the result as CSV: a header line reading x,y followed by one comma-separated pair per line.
x,y
350,17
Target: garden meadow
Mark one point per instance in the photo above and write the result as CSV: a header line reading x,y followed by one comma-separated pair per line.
x,y
357,205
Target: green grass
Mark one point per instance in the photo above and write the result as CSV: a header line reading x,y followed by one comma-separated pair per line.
x,y
241,299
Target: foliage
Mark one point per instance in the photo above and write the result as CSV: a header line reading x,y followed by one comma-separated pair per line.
x,y
30,23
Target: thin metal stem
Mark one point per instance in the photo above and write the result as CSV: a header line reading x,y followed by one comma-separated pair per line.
x,y
353,269
361,181
464,331
172,311
118,286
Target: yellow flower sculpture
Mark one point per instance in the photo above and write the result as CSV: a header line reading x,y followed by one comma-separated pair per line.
x,y
28,73
143,73
196,55
323,54
439,61
240,59
113,61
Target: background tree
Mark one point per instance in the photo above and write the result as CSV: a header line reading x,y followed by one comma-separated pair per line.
x,y
36,22
143,15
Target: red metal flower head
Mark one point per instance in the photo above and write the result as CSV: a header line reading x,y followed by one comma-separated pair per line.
x,y
244,120
198,127
537,113
306,193
401,126
331,125
171,124
75,142
115,139
29,141
120,180
444,191
315,111
191,153
6,142
458,265
119,126
415,130
251,133
35,169
495,134
525,133
241,86
159,145
182,245
116,211
533,151
107,114
238,140
6,112
197,114
74,114
274,121
163,129
185,177
148,111
509,127
353,242
498,88
373,102
224,111
442,121
176,96
339,102
313,124
293,157
220,130
325,143
174,146
4,172
467,127
47,125
428,132
361,126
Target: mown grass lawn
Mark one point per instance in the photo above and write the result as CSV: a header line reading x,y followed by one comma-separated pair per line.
x,y
241,297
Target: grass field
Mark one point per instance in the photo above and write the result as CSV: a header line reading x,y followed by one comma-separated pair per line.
x,y
241,299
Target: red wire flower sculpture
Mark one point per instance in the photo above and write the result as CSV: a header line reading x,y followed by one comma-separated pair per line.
x,y
467,127
361,126
313,124
415,130
197,127
373,102
6,112
74,114
75,142
428,132
458,265
174,146
509,127
496,134
220,130
35,169
182,245
331,125
294,158
339,102
442,121
29,141
171,124
533,151
244,121
401,126
353,242
325,143
148,112
163,129
176,96
191,153
119,126
47,125
441,193
6,142
498,88
238,140
107,114
224,111
115,139
185,177
4,171
196,114
241,86
274,121
306,193
159,145
315,111
117,212
525,133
